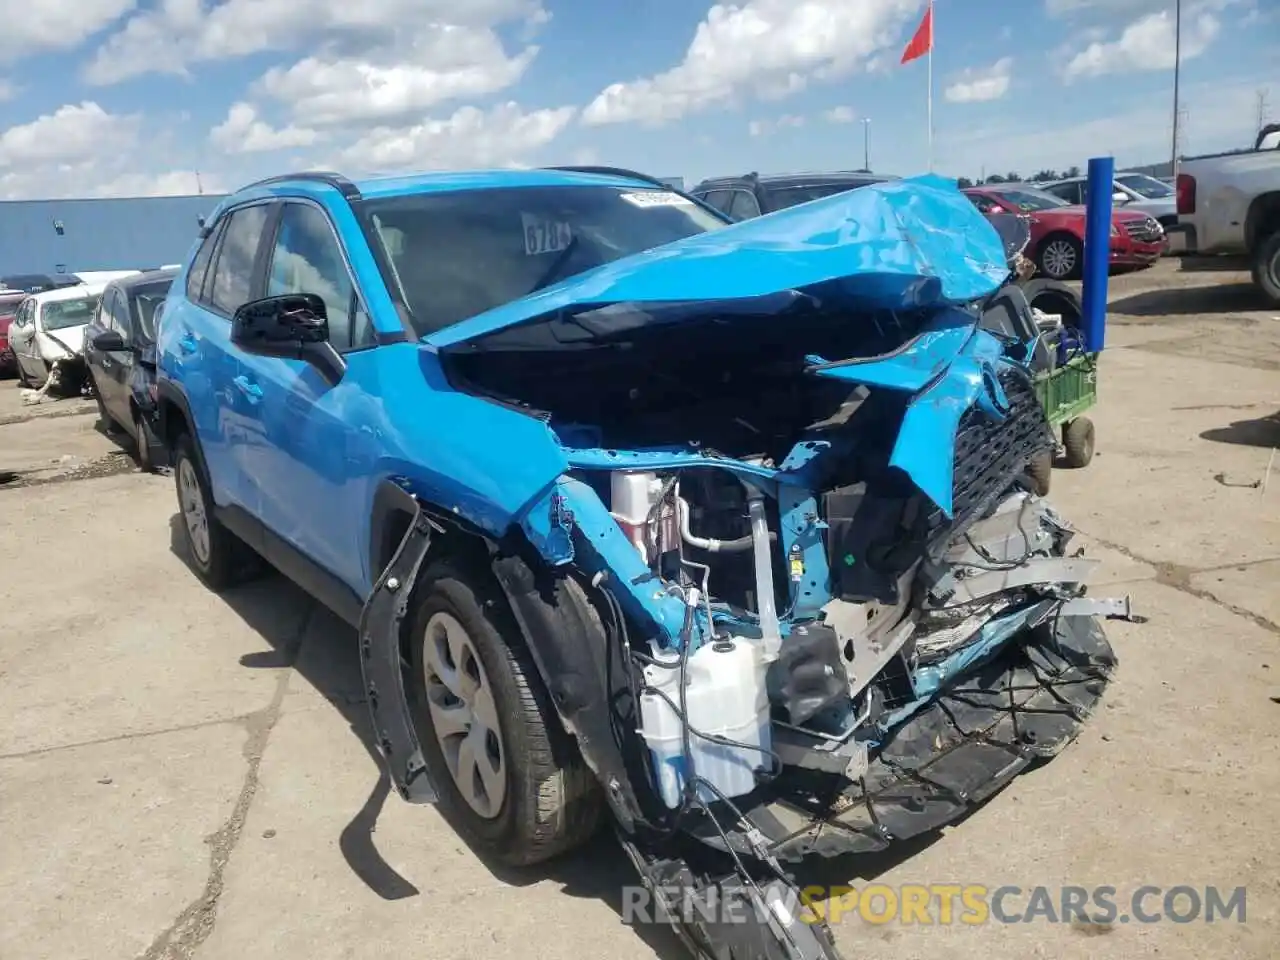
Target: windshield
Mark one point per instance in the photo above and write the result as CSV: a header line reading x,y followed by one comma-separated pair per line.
x,y
60,314
1145,186
144,303
782,197
1027,200
459,254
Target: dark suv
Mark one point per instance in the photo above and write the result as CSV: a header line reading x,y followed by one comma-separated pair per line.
x,y
752,195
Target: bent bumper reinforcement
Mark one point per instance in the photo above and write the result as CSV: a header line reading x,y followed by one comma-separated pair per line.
x,y
380,664
1024,704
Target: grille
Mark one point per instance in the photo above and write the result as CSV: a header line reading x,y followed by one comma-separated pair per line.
x,y
1146,231
991,454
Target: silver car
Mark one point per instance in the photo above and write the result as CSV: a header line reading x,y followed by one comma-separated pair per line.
x,y
1133,191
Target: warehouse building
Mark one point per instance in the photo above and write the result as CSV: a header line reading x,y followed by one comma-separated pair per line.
x,y
73,236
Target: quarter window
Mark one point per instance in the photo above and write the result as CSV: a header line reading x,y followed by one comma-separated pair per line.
x,y
200,265
306,258
743,206
720,199
232,283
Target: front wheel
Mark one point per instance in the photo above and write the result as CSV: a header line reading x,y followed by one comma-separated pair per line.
x,y
1061,257
1266,268
144,439
509,779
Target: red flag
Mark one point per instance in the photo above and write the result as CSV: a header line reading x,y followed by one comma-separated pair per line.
x,y
922,42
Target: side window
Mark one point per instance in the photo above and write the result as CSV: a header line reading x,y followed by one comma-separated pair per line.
x,y
306,258
1069,192
743,205
720,199
119,316
232,281
983,204
199,266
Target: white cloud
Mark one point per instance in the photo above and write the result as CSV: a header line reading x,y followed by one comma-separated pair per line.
x,y
1068,8
765,47
788,121
33,26
840,115
1145,44
502,136
7,91
444,63
170,183
244,132
72,133
177,33
1221,118
977,84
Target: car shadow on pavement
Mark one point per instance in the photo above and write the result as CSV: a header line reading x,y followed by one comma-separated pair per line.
x,y
1187,301
283,615
1261,432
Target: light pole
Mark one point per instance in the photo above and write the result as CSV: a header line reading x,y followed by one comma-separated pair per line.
x,y
866,143
1177,65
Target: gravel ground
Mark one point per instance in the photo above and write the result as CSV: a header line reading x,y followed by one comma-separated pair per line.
x,y
189,775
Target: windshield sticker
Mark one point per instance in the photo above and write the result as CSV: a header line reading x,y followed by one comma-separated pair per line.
x,y
544,236
656,198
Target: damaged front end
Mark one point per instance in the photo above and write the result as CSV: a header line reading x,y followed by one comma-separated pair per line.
x,y
832,614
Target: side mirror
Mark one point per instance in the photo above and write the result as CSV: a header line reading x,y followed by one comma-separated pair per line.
x,y
1119,197
109,341
292,326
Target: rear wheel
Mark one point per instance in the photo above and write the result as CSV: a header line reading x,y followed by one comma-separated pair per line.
x,y
509,779
218,557
1061,257
1266,268
1040,473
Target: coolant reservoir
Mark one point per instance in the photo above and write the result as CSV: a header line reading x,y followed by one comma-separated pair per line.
x,y
725,696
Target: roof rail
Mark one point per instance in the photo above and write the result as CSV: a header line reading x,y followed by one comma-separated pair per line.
x,y
616,172
336,180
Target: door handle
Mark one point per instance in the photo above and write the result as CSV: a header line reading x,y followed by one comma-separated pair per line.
x,y
248,388
188,344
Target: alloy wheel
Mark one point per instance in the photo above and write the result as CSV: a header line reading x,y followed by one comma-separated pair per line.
x,y
1059,259
193,511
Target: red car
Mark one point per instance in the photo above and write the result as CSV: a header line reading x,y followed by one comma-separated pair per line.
x,y
1057,229
9,300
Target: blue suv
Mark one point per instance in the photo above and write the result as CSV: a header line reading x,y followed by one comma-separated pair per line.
x,y
698,525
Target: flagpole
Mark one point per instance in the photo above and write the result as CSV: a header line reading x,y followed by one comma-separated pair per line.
x,y
931,33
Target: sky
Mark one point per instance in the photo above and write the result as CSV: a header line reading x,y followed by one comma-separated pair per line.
x,y
149,97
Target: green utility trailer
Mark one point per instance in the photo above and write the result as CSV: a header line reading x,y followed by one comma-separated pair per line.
x,y
1065,391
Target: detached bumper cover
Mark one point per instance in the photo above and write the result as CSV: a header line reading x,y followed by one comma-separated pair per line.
x,y
1026,703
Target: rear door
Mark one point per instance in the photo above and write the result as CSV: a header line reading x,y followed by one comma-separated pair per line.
x,y
225,274
22,338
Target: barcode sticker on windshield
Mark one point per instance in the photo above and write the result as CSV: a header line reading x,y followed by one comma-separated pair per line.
x,y
657,198
544,236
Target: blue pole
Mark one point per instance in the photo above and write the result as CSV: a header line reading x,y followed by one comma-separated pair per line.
x,y
1097,252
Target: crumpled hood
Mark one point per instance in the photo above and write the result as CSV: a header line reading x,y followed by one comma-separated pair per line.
x,y
903,243
67,340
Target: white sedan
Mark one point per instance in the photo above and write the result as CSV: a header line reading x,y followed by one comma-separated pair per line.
x,y
48,329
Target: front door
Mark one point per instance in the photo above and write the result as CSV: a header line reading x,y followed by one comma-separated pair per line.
x,y
113,384
303,448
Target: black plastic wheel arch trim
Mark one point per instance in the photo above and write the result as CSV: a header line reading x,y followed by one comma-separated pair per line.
x,y
380,663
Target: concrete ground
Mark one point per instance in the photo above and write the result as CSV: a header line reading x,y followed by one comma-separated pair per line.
x,y
189,775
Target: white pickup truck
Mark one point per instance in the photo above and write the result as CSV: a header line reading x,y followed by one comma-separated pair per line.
x,y
1229,209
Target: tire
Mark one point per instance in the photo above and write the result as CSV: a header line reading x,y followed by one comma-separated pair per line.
x,y
1060,257
23,379
1266,268
143,439
541,800
1077,442
219,558
1040,473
